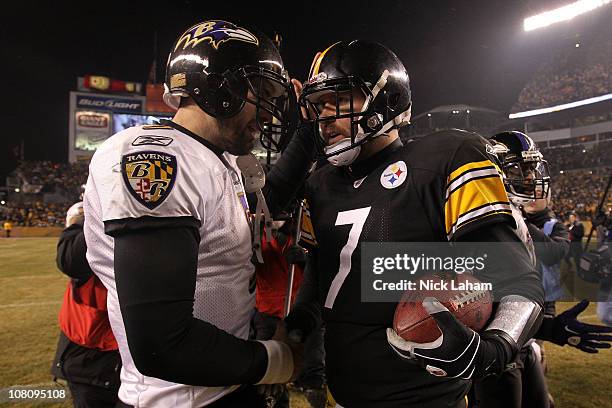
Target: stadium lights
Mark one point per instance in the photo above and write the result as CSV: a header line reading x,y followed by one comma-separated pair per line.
x,y
560,107
2,202
17,190
562,13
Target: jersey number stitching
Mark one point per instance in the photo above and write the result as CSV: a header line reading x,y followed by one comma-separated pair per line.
x,y
357,219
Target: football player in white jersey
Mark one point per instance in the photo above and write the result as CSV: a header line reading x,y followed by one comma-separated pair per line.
x,y
168,227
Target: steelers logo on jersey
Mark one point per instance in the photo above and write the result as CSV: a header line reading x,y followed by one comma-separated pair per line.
x,y
394,175
149,176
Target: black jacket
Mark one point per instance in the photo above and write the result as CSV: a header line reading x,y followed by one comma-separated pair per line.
x,y
550,250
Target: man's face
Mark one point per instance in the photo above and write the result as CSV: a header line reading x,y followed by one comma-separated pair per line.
x,y
572,218
240,132
334,130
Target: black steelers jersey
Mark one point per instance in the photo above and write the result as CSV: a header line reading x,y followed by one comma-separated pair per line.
x,y
433,189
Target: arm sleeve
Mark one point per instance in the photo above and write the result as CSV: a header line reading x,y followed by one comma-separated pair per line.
x,y
474,195
156,295
511,268
71,250
288,174
513,274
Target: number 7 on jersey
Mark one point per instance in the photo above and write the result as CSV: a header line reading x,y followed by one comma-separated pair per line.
x,y
357,219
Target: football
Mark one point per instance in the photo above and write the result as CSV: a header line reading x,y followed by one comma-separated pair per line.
x,y
462,294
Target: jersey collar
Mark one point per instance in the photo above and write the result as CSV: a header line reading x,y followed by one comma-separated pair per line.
x,y
206,143
365,167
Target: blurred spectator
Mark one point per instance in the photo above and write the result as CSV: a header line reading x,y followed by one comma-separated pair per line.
x,y
8,227
576,233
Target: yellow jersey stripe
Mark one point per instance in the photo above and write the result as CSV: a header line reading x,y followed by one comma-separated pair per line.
x,y
473,194
469,176
479,216
471,166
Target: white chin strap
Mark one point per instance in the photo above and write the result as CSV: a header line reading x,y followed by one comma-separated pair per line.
x,y
346,157
520,201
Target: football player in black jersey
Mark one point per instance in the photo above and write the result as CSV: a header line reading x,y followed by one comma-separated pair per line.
x,y
443,187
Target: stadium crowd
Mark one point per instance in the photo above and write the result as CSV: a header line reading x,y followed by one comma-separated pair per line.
x,y
36,214
572,75
37,178
47,177
578,191
578,156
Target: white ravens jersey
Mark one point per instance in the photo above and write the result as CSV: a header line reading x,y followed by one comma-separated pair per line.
x,y
158,171
523,232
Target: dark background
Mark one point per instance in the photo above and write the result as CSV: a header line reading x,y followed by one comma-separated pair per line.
x,y
471,52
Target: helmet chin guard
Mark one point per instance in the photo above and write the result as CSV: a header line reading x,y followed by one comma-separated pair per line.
x,y
348,152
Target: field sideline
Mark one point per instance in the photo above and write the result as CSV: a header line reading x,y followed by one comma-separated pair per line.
x,y
31,290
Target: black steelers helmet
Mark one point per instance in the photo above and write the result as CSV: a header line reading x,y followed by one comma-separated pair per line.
x,y
217,63
366,66
525,172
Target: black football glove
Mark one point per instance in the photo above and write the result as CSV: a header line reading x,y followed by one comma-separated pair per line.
x,y
458,353
567,329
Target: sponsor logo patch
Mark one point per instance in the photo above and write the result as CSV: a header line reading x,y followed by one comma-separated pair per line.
x,y
152,140
149,176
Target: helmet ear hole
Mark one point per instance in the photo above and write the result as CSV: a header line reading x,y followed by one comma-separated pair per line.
x,y
217,97
393,100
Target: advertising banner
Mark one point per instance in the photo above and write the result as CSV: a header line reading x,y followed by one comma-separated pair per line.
x,y
91,129
116,105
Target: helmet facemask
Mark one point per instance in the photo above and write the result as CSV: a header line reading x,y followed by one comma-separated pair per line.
x,y
528,179
274,99
365,123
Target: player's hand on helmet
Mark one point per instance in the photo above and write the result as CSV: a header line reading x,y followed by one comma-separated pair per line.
x,y
297,88
453,354
567,329
297,349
